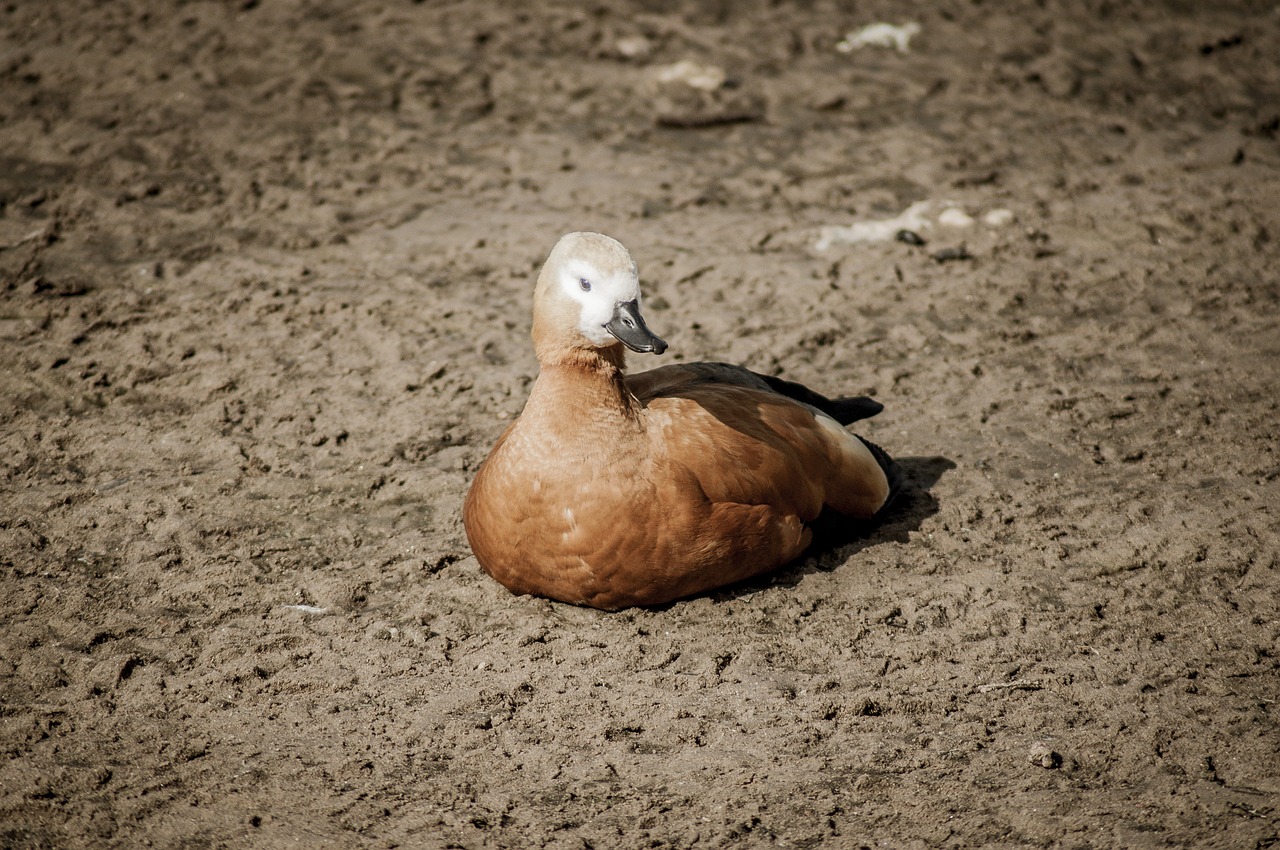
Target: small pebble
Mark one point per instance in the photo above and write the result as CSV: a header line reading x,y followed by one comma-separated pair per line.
x,y
955,217
634,47
910,237
998,218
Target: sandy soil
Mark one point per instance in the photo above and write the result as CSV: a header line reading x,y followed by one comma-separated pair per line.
x,y
265,276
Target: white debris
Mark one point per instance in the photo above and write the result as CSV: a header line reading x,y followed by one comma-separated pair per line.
x,y
880,35
702,77
633,47
307,609
912,218
955,217
998,218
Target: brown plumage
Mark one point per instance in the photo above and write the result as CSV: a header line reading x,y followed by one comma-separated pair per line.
x,y
616,490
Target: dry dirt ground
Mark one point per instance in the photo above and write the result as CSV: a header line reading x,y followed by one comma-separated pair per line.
x,y
265,278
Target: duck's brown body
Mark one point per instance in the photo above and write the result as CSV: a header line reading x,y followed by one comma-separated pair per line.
x,y
614,491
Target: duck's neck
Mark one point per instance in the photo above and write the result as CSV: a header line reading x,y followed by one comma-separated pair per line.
x,y
581,389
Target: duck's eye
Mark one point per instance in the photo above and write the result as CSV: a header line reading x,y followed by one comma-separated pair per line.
x,y
585,284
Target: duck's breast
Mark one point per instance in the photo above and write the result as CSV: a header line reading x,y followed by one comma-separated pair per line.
x,y
562,524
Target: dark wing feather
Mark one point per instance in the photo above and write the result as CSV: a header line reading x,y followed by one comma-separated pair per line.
x,y
842,410
666,379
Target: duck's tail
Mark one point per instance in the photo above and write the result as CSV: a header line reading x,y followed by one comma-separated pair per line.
x,y
849,410
892,472
843,410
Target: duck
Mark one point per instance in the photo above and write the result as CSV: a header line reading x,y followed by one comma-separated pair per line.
x,y
615,490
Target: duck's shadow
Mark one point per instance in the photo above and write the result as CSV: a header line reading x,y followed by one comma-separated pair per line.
x,y
836,539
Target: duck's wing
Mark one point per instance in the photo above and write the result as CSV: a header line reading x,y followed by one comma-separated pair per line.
x,y
807,446
748,444
667,378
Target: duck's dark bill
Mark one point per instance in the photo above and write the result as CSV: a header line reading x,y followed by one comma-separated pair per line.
x,y
629,327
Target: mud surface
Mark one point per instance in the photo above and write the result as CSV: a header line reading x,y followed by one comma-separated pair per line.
x,y
265,278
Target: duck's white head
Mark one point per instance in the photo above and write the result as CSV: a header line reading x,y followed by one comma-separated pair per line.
x,y
588,296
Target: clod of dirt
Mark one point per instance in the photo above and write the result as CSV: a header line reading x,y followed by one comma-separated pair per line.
x,y
690,94
1042,755
685,106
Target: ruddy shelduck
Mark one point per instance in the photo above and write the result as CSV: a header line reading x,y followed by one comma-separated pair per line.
x,y
615,490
